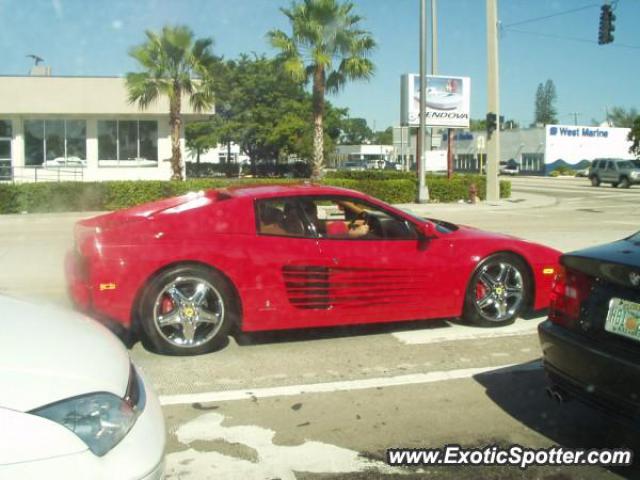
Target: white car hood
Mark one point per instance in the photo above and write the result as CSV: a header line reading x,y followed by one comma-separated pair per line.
x,y
49,354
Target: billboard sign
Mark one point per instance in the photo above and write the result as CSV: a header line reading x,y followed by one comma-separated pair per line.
x,y
574,143
448,101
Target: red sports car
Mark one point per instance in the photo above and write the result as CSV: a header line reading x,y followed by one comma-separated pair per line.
x,y
182,271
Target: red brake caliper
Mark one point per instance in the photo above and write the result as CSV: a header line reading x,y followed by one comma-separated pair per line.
x,y
481,290
167,305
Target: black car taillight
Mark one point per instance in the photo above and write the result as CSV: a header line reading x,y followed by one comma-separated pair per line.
x,y
569,290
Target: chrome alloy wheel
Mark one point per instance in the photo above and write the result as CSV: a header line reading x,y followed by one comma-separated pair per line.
x,y
188,312
499,291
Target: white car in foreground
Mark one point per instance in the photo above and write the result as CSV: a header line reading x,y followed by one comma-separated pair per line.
x,y
72,406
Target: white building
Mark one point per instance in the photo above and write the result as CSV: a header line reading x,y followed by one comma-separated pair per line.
x,y
220,154
537,150
82,128
368,155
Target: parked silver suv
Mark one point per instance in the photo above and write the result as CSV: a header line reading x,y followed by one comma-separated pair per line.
x,y
616,171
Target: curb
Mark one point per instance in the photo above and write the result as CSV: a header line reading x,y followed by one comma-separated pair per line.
x,y
518,201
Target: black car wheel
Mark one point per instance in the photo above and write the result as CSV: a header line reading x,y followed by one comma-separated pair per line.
x,y
624,183
499,291
595,181
187,310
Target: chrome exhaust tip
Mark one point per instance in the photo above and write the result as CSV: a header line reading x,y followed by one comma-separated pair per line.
x,y
557,394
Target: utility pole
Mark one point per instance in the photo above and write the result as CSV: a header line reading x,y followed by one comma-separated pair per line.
x,y
493,100
423,192
434,55
434,38
575,117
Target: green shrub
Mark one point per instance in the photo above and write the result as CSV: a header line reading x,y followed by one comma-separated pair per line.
x,y
563,171
8,199
390,191
231,170
505,189
208,170
120,194
58,197
86,196
371,175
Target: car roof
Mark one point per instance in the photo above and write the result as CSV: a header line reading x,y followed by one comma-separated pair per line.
x,y
283,190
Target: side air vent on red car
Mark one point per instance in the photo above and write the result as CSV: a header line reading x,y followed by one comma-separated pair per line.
x,y
307,286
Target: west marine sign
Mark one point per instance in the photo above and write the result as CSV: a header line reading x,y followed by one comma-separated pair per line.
x,y
448,101
579,132
574,143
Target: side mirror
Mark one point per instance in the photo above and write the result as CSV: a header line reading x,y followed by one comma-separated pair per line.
x,y
428,230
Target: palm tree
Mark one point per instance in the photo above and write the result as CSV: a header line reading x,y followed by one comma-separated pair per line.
x,y
328,47
174,65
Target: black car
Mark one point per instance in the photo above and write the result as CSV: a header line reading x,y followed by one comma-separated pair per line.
x,y
591,340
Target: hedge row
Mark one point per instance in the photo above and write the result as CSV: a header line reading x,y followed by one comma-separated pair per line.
x,y
371,175
230,170
87,196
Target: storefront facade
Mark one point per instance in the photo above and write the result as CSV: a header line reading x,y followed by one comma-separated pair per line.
x,y
82,128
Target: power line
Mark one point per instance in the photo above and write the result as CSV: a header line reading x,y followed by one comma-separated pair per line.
x,y
565,37
558,14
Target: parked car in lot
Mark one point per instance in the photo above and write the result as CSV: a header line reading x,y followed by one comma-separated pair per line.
x,y
183,270
510,167
616,171
591,340
392,166
354,166
72,406
583,172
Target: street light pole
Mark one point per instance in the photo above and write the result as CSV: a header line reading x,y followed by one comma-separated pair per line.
x,y
434,39
493,100
423,192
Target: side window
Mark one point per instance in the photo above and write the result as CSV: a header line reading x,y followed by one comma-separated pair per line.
x,y
351,219
610,165
280,217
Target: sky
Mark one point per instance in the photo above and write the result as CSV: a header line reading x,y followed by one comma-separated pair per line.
x,y
92,37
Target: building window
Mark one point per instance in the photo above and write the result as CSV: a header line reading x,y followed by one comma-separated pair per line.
x,y
55,143
5,150
127,143
465,162
532,163
5,129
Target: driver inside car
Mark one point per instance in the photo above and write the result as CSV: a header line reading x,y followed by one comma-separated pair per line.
x,y
355,225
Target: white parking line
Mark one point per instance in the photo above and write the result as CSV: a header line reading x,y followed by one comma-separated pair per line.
x,y
270,459
453,332
347,385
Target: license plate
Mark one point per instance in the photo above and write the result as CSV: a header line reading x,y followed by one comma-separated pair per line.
x,y
623,318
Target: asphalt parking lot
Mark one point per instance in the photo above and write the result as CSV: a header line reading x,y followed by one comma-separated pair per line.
x,y
327,403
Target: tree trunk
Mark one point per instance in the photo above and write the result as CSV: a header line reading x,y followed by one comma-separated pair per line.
x,y
318,129
175,122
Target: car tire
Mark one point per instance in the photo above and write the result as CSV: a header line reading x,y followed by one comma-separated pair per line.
x,y
187,310
498,292
614,184
595,181
624,183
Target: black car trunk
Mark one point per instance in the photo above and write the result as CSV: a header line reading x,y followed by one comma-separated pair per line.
x,y
615,270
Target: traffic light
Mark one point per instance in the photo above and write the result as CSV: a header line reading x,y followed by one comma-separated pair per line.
x,y
492,123
607,17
